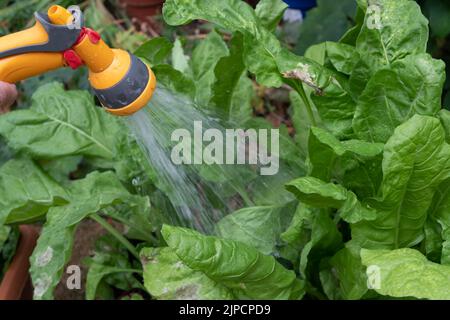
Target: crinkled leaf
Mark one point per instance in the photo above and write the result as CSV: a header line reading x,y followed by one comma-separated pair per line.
x,y
27,192
259,227
230,14
347,271
301,122
444,116
60,168
241,110
343,57
351,35
324,242
407,273
391,31
204,60
335,105
155,51
316,193
227,73
135,215
412,86
270,12
416,160
295,234
355,164
166,277
239,267
61,123
438,240
175,80
326,153
433,241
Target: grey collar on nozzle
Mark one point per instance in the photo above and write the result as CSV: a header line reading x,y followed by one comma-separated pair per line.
x,y
127,90
60,37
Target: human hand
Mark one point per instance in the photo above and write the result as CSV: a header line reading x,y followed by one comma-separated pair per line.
x,y
8,94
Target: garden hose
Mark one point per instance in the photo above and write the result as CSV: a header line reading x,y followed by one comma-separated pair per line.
x,y
121,81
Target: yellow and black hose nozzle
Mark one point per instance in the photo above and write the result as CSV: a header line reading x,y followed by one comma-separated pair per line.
x,y
121,81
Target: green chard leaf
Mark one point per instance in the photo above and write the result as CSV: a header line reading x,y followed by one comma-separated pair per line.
x,y
135,215
342,56
241,110
325,241
259,226
61,123
326,153
270,12
330,96
318,194
27,192
228,72
60,168
439,224
166,277
87,196
411,86
407,273
347,271
155,51
205,58
444,116
247,273
180,61
295,234
301,117
433,242
391,31
416,160
175,80
301,122
352,34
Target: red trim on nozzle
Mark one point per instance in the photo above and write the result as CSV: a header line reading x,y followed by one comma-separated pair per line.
x,y
72,59
93,35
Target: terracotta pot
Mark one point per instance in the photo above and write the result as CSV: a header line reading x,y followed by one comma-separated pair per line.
x,y
142,9
16,284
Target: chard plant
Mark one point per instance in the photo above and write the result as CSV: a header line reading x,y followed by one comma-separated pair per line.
x,y
369,204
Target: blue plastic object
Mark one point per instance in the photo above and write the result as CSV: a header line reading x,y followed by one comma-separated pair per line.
x,y
303,5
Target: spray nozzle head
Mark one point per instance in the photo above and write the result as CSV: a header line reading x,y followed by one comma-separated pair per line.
x,y
121,81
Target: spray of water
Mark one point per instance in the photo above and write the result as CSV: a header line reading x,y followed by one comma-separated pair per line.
x,y
199,195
